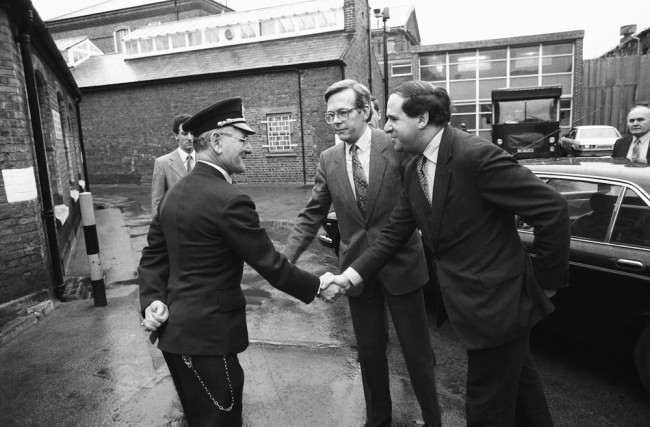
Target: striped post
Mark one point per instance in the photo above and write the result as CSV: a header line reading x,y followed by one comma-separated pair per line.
x,y
92,248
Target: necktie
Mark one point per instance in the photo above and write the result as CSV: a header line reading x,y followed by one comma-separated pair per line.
x,y
421,164
360,183
188,163
636,150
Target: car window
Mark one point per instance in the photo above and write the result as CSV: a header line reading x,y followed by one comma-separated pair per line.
x,y
591,206
632,225
598,133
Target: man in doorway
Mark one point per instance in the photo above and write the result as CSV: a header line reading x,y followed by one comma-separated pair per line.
x,y
170,168
362,178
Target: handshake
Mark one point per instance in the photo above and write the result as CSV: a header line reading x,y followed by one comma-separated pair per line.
x,y
332,287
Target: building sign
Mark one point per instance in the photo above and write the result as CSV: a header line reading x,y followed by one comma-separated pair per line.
x,y
20,184
56,118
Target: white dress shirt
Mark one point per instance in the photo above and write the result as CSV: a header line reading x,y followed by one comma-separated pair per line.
x,y
184,155
220,169
643,148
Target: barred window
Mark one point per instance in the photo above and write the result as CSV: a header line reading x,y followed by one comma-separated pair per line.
x,y
278,130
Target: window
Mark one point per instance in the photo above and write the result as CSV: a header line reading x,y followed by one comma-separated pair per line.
x,y
306,22
194,38
132,47
278,132
632,225
146,45
178,40
247,31
118,35
326,19
162,42
286,25
401,70
212,35
267,28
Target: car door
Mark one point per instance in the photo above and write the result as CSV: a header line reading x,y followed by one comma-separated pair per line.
x,y
609,257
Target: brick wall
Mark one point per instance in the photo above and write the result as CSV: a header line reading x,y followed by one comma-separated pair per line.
x,y
24,256
125,129
24,263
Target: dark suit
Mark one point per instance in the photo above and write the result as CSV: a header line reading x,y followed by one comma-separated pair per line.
x,y
399,283
197,245
167,171
492,289
622,147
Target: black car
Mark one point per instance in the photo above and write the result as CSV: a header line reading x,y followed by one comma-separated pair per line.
x,y
608,300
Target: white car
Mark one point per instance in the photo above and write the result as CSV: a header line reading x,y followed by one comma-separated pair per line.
x,y
589,141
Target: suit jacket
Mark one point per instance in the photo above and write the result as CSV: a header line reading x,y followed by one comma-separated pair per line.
x,y
197,245
167,171
406,271
491,287
622,146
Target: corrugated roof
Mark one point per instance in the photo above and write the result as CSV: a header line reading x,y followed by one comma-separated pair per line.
x,y
234,18
65,44
105,6
108,70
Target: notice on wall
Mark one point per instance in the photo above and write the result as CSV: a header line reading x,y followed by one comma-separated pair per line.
x,y
20,184
56,119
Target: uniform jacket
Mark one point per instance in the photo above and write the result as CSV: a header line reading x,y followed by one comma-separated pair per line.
x,y
491,287
197,245
622,146
401,274
167,171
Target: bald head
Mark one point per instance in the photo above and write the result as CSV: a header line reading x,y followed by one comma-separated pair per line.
x,y
638,120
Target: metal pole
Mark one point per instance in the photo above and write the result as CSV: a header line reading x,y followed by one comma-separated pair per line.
x,y
385,67
92,248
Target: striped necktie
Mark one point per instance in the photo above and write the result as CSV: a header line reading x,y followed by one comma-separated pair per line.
x,y
360,183
636,150
188,163
421,164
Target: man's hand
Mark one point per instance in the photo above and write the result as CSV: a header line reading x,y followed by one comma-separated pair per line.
x,y
154,316
329,290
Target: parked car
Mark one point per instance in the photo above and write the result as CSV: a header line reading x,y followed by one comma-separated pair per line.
x,y
608,300
589,141
331,238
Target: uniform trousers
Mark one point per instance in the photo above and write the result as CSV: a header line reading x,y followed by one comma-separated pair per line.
x,y
198,407
409,317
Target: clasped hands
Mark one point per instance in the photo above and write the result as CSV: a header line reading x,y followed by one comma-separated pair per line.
x,y
332,287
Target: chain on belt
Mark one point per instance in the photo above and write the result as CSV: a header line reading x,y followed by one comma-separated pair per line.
x,y
188,362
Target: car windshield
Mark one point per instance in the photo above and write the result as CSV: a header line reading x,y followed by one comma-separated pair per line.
x,y
599,133
532,110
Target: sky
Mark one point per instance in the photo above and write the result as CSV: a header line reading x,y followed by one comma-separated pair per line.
x,y
449,22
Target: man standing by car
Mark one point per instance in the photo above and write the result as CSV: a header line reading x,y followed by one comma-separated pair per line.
x,y
362,178
635,146
463,193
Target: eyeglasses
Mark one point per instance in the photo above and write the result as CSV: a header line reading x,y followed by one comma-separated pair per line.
x,y
244,140
341,114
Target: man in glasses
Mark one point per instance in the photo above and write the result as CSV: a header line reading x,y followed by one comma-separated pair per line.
x,y
190,273
362,179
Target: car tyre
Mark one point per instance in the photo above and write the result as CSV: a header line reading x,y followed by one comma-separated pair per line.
x,y
642,357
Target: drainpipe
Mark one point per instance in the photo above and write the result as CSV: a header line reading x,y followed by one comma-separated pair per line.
x,y
77,101
302,128
41,158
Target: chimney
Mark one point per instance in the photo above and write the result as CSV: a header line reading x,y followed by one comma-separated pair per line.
x,y
627,31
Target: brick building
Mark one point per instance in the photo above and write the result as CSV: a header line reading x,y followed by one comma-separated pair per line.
x,y
279,60
40,161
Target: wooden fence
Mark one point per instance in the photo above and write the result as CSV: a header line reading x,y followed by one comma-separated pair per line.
x,y
611,86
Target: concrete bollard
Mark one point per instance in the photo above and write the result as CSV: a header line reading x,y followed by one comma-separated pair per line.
x,y
92,249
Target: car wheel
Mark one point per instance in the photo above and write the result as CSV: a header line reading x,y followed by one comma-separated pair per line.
x,y
642,357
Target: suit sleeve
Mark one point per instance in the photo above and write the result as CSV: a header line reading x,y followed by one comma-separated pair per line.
x,y
514,188
158,185
241,227
311,217
153,271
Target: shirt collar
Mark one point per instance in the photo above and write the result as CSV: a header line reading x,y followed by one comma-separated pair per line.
x,y
220,169
363,142
184,154
644,139
431,152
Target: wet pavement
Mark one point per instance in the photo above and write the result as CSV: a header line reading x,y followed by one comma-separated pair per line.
x,y
82,365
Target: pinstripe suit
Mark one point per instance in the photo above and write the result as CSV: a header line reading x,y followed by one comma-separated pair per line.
x,y
492,289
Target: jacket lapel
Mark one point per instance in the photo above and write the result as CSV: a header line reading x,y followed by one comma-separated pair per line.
x,y
342,180
376,172
441,182
177,165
